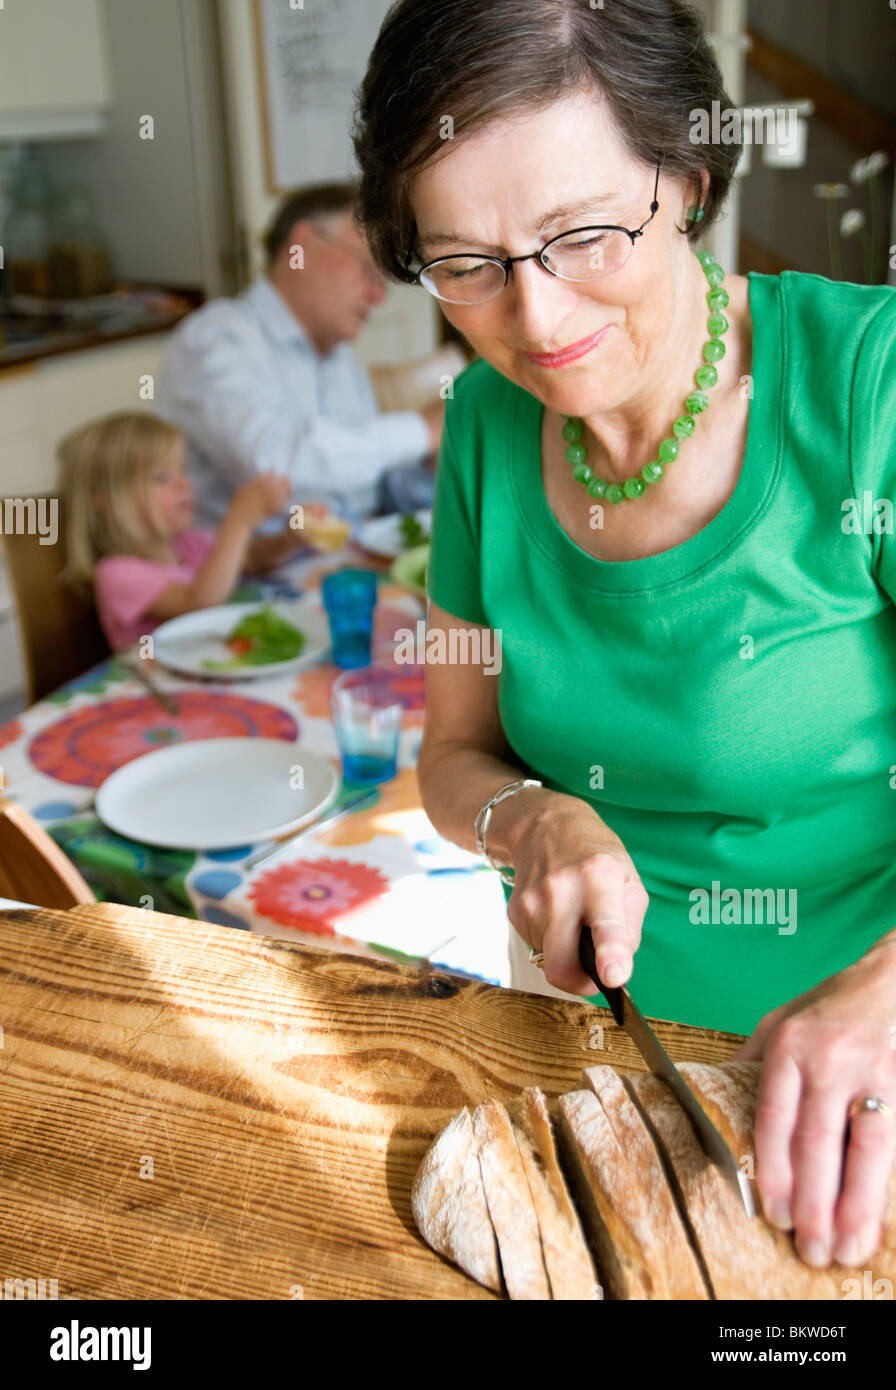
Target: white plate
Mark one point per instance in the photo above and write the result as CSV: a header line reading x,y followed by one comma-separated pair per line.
x,y
381,535
214,793
182,644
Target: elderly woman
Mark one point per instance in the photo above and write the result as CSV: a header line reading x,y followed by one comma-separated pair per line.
x,y
651,487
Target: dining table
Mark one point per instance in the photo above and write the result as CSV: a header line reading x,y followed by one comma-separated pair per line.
x,y
189,1112
381,882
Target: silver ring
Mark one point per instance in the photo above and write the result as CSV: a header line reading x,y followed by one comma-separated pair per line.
x,y
537,958
871,1103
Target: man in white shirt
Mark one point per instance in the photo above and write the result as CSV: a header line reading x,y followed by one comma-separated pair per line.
x,y
268,380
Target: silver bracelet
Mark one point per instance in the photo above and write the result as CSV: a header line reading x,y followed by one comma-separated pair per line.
x,y
480,824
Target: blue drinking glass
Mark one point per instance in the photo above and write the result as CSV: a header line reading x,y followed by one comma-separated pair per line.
x,y
367,721
350,597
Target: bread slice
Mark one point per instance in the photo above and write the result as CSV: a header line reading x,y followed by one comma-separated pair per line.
x,y
728,1094
568,1262
612,1202
684,1276
745,1259
492,1197
449,1206
510,1203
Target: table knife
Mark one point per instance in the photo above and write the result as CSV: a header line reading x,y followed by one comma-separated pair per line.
x,y
629,1017
363,798
160,696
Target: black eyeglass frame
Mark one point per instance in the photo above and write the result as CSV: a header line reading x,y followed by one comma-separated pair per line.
x,y
505,264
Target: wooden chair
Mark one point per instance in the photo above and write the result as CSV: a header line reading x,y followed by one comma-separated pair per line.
x,y
61,633
33,869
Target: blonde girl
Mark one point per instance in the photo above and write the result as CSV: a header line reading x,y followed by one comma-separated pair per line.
x,y
129,529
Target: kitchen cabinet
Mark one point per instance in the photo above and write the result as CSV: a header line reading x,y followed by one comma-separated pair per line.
x,y
40,405
163,204
54,77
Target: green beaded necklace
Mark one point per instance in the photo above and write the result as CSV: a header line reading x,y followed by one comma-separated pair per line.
x,y
682,428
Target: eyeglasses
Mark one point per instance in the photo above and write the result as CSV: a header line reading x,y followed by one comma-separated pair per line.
x,y
370,271
585,253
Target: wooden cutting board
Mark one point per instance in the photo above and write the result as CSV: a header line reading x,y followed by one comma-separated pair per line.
x,y
191,1111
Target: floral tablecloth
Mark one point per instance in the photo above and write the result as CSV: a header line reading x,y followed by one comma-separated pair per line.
x,y
380,882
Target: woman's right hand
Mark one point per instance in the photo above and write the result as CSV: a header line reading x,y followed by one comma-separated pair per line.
x,y
571,870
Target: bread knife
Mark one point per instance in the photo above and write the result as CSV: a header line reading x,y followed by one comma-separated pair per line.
x,y
629,1017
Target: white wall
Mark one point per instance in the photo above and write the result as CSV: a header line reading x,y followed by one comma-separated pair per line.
x,y
406,324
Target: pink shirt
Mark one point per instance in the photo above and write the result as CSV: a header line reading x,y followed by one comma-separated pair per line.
x,y
125,586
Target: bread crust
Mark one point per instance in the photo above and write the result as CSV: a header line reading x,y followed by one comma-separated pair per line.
x,y
684,1277
567,1259
510,1204
746,1259
611,1200
611,1186
449,1206
728,1093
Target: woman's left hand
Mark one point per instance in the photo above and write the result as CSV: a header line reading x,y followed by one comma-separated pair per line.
x,y
821,1051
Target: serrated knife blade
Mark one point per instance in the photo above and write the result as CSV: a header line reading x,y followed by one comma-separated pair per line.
x,y
628,1016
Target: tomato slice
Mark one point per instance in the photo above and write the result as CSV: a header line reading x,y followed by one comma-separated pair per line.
x,y
240,646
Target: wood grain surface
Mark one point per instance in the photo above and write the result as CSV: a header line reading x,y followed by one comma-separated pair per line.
x,y
190,1111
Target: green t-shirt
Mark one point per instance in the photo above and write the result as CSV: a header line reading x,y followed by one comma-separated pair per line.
x,y
728,707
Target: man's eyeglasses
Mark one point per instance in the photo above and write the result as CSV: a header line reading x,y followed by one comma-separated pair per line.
x,y
586,253
370,270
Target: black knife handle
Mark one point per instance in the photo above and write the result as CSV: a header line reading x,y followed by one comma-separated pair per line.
x,y
588,963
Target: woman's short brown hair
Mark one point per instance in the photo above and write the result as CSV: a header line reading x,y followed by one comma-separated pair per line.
x,y
476,60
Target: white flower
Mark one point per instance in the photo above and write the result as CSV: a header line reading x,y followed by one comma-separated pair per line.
x,y
865,169
831,190
852,221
